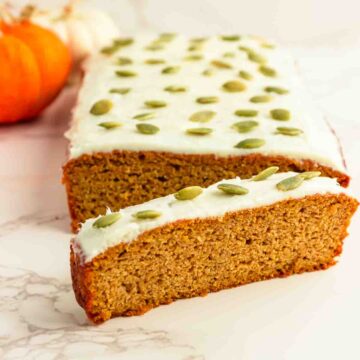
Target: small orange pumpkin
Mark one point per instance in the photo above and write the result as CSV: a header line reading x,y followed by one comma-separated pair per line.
x,y
35,64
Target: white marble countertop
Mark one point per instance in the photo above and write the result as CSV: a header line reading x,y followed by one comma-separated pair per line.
x,y
312,316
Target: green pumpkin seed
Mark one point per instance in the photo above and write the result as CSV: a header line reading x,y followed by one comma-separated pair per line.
x,y
280,114
193,57
230,37
234,86
109,50
171,70
207,100
208,72
260,99
202,116
221,64
121,91
147,129
262,175
167,37
267,71
199,131
121,61
147,214
154,104
125,73
307,175
232,189
195,47
154,61
250,143
106,220
155,47
145,116
290,183
289,131
110,124
276,90
122,42
245,75
101,107
267,45
246,113
245,126
229,55
256,57
175,88
188,193
245,49
198,40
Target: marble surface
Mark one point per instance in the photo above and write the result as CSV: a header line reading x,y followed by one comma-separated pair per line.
x,y
312,316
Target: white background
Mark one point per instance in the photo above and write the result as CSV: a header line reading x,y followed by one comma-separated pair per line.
x,y
312,316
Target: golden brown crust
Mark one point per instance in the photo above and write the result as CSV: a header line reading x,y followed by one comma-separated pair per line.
x,y
190,258
123,178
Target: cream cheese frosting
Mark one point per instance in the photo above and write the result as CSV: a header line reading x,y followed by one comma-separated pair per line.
x,y
316,142
92,241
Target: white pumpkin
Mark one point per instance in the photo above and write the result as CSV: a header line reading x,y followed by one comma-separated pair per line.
x,y
84,29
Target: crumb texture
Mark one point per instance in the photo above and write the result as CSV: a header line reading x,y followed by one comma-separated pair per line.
x,y
194,257
123,178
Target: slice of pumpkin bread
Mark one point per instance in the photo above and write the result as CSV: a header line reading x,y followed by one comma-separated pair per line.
x,y
198,241
156,114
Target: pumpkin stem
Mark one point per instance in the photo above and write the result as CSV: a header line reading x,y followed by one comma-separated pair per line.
x,y
27,12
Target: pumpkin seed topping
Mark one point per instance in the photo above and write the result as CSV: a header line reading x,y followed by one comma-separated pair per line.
x,y
229,55
256,57
202,116
109,50
276,90
232,189
207,100
221,64
289,131
250,143
199,131
245,49
106,220
234,86
154,47
260,99
198,40
101,107
246,113
245,126
147,214
147,129
262,175
154,61
110,124
193,57
230,37
195,47
145,116
121,91
245,75
267,71
290,183
208,72
188,193
122,42
167,37
280,114
175,88
155,104
267,45
123,61
171,70
307,175
125,73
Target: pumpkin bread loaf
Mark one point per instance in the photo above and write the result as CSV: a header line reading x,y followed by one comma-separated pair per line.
x,y
203,240
156,114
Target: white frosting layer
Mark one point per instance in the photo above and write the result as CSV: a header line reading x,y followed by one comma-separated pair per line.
x,y
91,241
316,143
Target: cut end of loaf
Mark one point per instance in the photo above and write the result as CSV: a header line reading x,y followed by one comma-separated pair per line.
x,y
193,257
